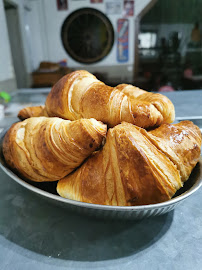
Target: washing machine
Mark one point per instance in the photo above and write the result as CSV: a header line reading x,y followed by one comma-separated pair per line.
x,y
96,35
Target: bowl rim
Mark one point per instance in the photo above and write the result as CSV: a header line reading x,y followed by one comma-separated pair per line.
x,y
60,199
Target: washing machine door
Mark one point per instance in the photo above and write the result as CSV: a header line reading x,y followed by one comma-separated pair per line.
x,y
87,35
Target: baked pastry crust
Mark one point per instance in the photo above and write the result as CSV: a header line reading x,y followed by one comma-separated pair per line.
x,y
81,95
34,111
136,167
47,149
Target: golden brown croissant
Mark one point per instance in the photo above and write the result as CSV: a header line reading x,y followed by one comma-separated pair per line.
x,y
160,102
47,149
80,95
34,111
136,167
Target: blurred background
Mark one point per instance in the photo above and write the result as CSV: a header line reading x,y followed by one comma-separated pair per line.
x,y
153,44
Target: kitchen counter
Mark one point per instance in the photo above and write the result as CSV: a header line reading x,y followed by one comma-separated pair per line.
x,y
35,234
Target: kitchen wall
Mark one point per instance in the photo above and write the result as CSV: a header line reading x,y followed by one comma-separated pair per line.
x,y
56,51
7,76
24,12
51,48
19,45
40,24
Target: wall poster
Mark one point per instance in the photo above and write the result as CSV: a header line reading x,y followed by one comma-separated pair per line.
x,y
96,1
114,7
122,44
128,8
62,4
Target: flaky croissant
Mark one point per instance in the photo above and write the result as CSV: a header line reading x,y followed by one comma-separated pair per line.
x,y
80,95
34,111
159,101
47,149
136,167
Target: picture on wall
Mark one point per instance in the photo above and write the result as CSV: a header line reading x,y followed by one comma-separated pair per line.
x,y
96,1
62,4
122,44
114,7
128,8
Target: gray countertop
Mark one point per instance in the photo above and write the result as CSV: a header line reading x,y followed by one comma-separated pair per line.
x,y
35,234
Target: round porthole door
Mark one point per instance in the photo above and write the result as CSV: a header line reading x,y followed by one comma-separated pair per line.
x,y
87,35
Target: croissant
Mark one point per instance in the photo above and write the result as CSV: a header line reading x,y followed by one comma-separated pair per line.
x,y
47,149
160,102
81,95
34,111
136,167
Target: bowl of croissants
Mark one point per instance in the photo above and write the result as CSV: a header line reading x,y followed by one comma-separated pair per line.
x,y
105,151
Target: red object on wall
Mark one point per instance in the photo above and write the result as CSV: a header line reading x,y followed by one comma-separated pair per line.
x,y
96,1
62,4
128,8
122,44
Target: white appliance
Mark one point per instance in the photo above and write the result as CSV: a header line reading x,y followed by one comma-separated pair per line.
x,y
86,35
